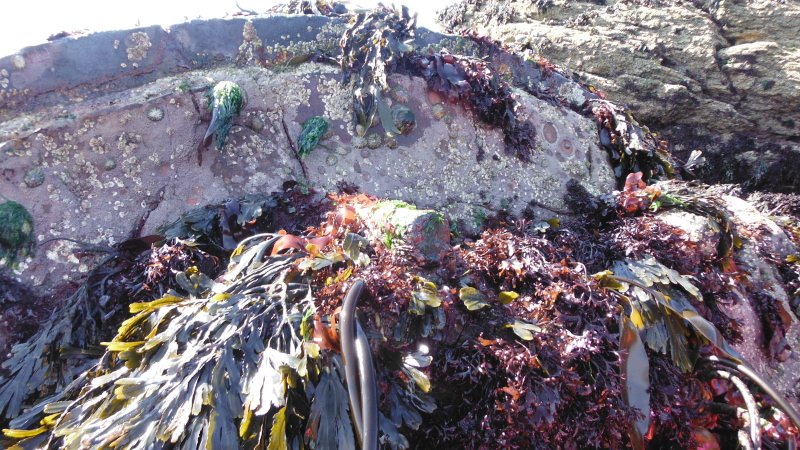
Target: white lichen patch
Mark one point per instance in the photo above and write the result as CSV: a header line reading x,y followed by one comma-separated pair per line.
x,y
128,142
249,33
137,45
87,125
250,146
131,165
18,62
290,92
256,181
62,251
48,143
337,98
54,152
98,145
573,93
327,40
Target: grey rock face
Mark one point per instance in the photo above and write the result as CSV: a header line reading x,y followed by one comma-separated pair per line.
x,y
718,76
110,123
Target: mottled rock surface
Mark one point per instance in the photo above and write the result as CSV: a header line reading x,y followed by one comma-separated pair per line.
x,y
100,135
763,243
425,232
111,123
717,76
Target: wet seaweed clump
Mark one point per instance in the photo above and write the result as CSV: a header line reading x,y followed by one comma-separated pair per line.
x,y
479,87
190,252
225,100
379,42
633,147
372,46
313,131
16,233
607,335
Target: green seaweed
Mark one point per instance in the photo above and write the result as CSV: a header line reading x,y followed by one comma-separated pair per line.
x,y
313,131
16,233
225,100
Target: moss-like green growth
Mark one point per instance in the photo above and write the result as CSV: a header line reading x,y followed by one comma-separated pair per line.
x,y
16,233
226,99
313,131
182,86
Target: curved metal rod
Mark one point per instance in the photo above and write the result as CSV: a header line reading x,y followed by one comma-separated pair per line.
x,y
358,370
753,418
769,390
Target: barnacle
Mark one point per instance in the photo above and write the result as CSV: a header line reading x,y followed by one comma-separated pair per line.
x,y
155,114
438,111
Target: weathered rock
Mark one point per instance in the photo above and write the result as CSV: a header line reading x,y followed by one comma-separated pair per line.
x,y
102,162
718,76
425,232
698,229
117,145
763,242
